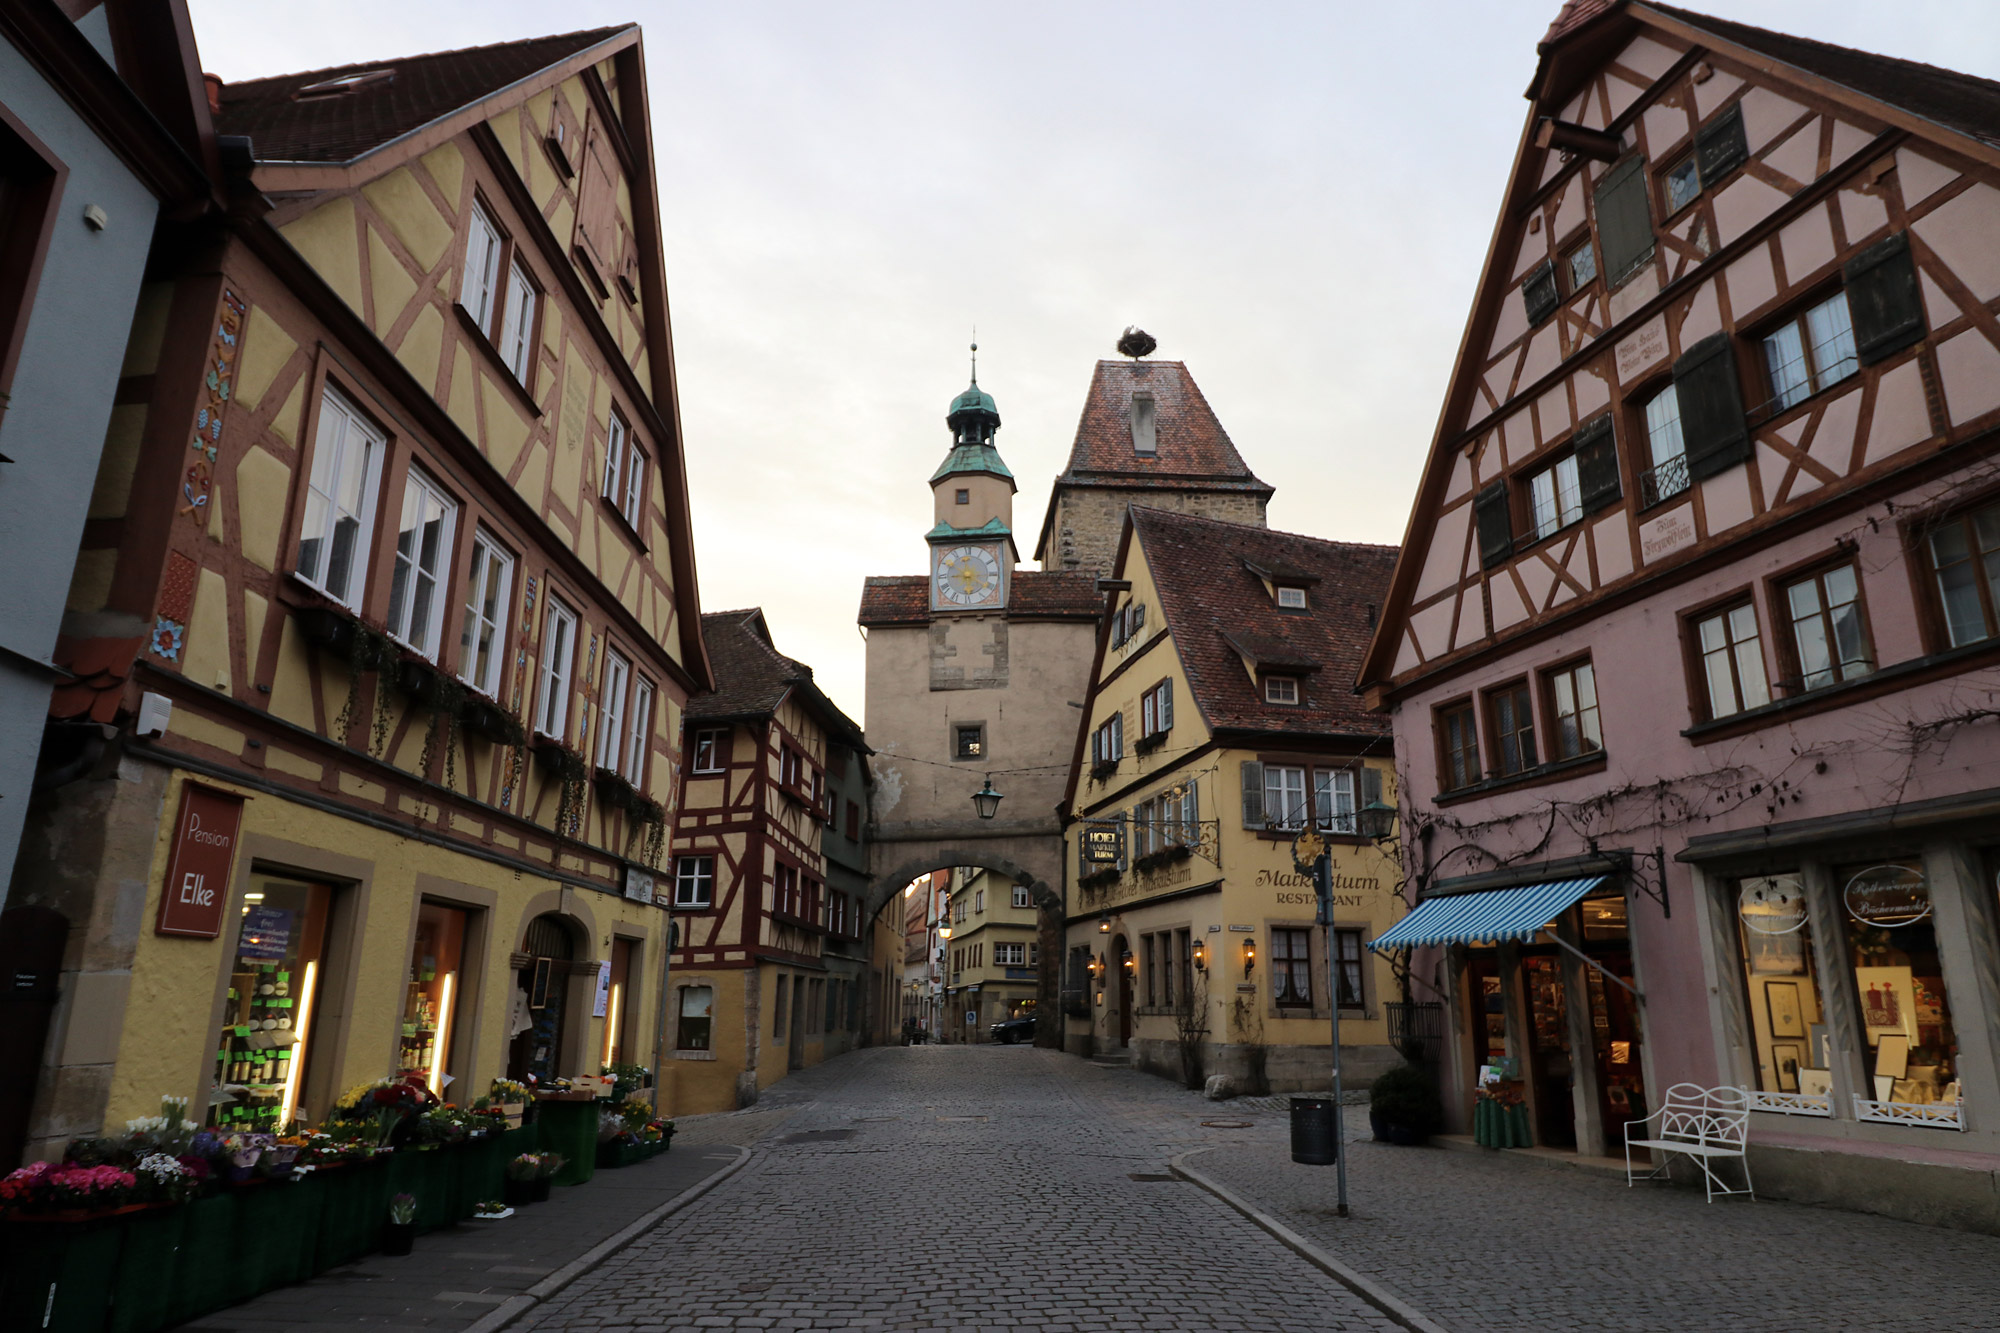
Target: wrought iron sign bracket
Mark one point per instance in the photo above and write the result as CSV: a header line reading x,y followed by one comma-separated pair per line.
x,y
1628,863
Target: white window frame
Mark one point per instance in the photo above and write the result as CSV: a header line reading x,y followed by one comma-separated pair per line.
x,y
1749,685
614,454
1292,599
1333,800
1022,898
483,244
1285,803
643,694
1557,496
342,488
1281,689
1009,953
405,582
635,482
490,581
611,712
517,330
717,738
692,873
558,667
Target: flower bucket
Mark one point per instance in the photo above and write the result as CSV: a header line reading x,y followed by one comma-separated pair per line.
x,y
398,1237
520,1193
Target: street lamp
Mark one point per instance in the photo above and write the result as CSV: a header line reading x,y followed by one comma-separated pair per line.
x,y
986,800
1200,957
1378,821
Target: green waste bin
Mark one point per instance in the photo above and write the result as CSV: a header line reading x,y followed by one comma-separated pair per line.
x,y
570,1128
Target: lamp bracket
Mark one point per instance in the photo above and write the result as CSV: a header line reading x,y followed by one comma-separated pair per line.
x,y
1628,863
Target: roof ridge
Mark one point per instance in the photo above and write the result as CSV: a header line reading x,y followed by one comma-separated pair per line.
x,y
1700,19
390,61
1175,515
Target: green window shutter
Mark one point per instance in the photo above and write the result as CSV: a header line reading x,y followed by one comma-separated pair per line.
x,y
1167,706
1711,398
1720,147
1253,794
1597,464
1371,786
1882,299
1539,293
1496,530
1624,220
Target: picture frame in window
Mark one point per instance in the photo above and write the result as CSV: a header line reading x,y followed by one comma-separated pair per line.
x,y
1781,1000
1786,1057
538,987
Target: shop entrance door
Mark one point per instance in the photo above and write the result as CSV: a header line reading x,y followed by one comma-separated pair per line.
x,y
1614,1019
1120,948
1549,1053
31,952
543,982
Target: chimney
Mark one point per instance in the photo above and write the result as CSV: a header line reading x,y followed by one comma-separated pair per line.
x,y
213,82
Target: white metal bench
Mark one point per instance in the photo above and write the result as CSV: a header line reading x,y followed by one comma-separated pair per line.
x,y
1705,1125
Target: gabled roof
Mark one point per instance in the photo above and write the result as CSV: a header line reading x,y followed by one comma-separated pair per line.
x,y
897,600
753,678
1219,612
286,127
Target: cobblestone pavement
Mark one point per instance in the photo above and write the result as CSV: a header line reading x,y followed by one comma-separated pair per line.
x,y
961,1188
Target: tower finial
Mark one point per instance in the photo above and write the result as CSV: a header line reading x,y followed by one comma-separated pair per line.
x,y
975,354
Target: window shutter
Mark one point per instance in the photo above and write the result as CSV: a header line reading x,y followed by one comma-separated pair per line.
x,y
1711,398
1539,293
1167,706
1496,533
1597,464
1253,794
1624,220
1882,299
1371,786
1720,147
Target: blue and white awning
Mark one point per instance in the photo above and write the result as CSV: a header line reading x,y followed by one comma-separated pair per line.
x,y
1495,914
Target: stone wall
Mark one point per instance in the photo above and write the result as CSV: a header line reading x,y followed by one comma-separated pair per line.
x,y
1090,519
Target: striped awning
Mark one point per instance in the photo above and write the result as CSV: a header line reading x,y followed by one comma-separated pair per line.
x,y
1495,914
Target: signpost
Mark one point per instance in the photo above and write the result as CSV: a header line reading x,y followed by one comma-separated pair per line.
x,y
1312,857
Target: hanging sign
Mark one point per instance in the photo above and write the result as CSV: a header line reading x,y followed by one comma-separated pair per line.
x,y
1772,905
197,885
603,989
1888,896
639,885
1103,844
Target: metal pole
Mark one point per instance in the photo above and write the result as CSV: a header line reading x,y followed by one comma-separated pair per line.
x,y
1323,887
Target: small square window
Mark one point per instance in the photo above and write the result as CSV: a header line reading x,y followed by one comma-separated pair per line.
x,y
1683,184
1281,689
711,750
1581,266
968,742
1292,599
964,496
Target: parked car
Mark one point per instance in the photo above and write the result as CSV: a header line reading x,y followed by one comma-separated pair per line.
x,y
1009,1031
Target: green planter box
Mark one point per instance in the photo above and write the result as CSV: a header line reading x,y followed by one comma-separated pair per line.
x,y
482,1171
201,1282
277,1235
432,1175
57,1275
142,1288
570,1128
354,1201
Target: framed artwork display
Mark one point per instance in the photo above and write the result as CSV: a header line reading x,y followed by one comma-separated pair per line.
x,y
1888,1000
1782,954
1885,1088
1785,1060
1892,1056
538,989
1787,1019
1816,1082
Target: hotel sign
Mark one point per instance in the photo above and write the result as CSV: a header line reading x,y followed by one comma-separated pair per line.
x,y
197,886
1103,844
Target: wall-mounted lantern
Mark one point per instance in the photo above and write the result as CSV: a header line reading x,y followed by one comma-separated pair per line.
x,y
1249,958
1200,957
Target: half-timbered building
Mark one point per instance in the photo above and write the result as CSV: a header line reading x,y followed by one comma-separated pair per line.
x,y
1688,648
766,978
385,612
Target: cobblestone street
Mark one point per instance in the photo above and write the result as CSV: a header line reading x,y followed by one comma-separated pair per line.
x,y
994,1188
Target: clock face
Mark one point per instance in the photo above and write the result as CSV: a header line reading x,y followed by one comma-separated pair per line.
x,y
966,576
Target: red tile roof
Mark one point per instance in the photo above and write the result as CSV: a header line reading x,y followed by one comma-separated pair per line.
x,y
1573,15
894,600
1218,611
343,126
100,668
1194,452
752,678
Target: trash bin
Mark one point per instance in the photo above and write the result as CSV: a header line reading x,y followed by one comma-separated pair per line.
x,y
1315,1141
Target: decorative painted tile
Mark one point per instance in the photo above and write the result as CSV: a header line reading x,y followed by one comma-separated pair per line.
x,y
167,638
177,588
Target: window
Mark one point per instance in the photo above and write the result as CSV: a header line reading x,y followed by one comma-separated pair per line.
x,y
778,1023
1021,898
1808,352
1333,800
482,646
958,911
1291,968
1580,265
1013,955
1167,966
1556,497
1732,661
1126,623
1683,184
1145,826
632,506
1459,736
558,658
1152,969
1347,968
979,902
1156,710
711,749
1781,973
624,469
853,820
1292,599
1827,634
963,496
340,501
1285,796
787,898
642,733
1573,702
1107,744
694,881
423,545
1281,689
788,766
611,713
482,268
968,740
1512,718
1719,148
1965,558
517,330
1669,474
1183,966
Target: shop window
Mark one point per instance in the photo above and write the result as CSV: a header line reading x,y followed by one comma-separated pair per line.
x,y
1668,475
1347,958
1732,661
711,749
423,551
1291,967
558,661
1333,800
340,501
1511,716
611,713
1892,951
432,996
1285,796
267,1032
1458,740
697,1015
1573,703
694,881
1782,989
482,646
1809,352
1829,642
1965,562
615,1006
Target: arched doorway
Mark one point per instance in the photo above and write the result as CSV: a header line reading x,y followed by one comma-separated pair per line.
x,y
542,998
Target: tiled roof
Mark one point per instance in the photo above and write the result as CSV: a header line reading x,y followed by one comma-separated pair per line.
x,y
1218,612
344,126
1036,594
1573,15
100,668
1193,449
1961,102
752,677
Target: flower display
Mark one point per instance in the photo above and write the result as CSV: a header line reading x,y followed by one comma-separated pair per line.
x,y
40,1187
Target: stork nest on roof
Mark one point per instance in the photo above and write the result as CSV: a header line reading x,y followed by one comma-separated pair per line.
x,y
1136,342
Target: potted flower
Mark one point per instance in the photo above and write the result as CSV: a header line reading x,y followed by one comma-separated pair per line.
x,y
1403,1106
401,1230
550,1163
513,1099
522,1173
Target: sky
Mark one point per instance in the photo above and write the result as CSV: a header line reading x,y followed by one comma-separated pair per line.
x,y
1294,199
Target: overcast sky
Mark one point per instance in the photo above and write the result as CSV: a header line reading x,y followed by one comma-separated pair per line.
x,y
1294,199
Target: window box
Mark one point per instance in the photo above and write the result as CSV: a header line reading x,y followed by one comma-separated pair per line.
x,y
418,680
1099,878
1103,768
1148,744
1163,856
488,720
324,627
557,759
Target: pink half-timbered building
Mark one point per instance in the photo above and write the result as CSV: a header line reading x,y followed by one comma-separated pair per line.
x,y
1698,614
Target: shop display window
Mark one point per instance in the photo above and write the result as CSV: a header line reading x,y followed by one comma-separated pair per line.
x,y
266,1033
1892,950
432,996
1781,986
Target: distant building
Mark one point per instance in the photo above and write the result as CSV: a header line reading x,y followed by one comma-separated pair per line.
x,y
992,956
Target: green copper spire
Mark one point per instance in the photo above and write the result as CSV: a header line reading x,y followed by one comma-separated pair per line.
x,y
974,418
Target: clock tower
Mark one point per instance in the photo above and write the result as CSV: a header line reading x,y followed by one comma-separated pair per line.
x,y
972,543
